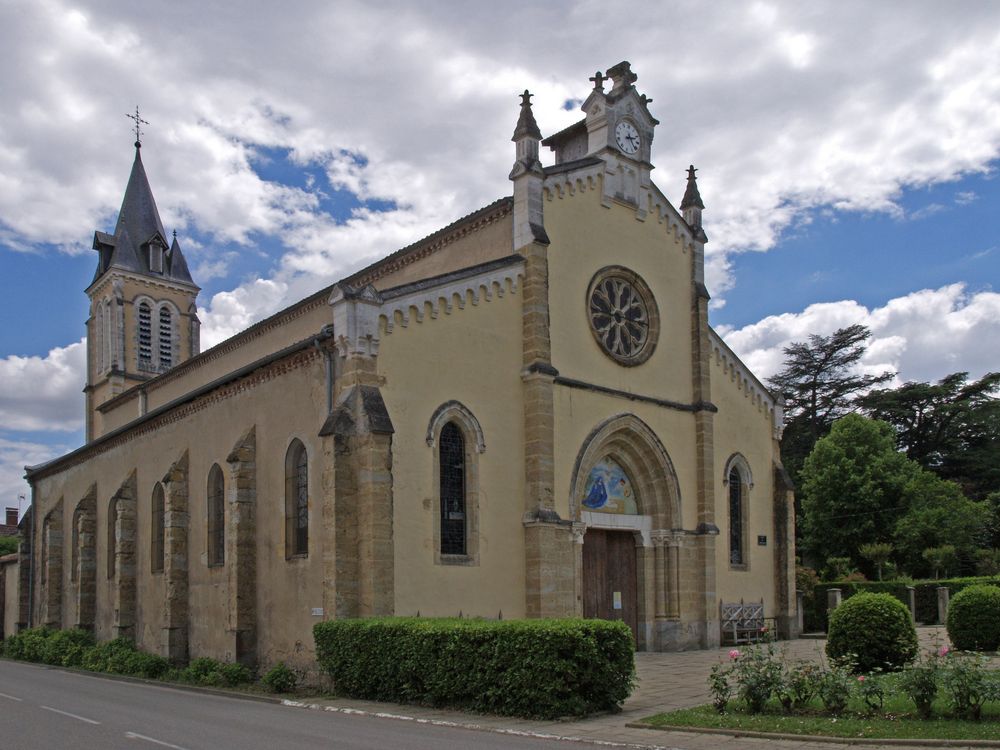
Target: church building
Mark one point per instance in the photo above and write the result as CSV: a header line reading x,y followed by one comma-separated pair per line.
x,y
525,414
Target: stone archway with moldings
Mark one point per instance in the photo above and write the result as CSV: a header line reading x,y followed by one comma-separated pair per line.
x,y
626,442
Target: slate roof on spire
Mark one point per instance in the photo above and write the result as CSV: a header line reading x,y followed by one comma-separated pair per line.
x,y
139,225
526,125
176,263
138,213
692,198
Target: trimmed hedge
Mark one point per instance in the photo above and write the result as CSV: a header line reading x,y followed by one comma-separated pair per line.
x,y
974,619
528,668
925,594
875,630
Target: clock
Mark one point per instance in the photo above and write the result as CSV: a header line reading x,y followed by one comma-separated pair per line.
x,y
627,137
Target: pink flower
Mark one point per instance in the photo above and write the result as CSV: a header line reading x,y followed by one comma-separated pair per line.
x,y
861,678
763,629
943,651
734,654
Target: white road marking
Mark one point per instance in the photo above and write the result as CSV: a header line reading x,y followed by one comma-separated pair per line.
x,y
161,743
468,725
72,716
11,697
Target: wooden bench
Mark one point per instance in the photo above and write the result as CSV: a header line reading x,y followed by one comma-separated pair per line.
x,y
742,622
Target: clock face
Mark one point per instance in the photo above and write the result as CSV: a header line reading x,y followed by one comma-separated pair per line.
x,y
627,137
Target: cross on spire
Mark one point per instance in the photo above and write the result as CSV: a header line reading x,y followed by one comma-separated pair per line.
x,y
138,131
598,80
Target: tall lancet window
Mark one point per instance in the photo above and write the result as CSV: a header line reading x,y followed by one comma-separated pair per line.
x,y
452,467
296,501
145,337
166,338
108,334
157,535
736,521
216,517
99,338
112,546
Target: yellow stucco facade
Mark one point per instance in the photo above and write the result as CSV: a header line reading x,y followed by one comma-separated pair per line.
x,y
456,403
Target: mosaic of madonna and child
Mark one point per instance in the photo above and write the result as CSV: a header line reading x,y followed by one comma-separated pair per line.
x,y
609,490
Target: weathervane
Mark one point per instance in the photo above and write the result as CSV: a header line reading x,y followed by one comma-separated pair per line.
x,y
137,120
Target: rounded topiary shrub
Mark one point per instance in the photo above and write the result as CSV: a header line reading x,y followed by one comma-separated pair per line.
x,y
875,630
974,619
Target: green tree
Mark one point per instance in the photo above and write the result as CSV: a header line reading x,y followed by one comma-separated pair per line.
x,y
951,427
939,515
853,483
819,383
877,553
992,503
8,544
941,559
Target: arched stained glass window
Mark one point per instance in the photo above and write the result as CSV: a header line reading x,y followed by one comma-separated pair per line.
x,y
452,483
112,540
157,535
296,500
216,517
736,521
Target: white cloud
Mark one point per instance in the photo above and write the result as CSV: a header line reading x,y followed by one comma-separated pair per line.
x,y
415,105
14,456
789,110
922,336
44,393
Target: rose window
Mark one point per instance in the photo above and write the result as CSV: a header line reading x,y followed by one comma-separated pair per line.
x,y
622,315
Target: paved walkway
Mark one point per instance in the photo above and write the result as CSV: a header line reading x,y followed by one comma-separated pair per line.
x,y
666,682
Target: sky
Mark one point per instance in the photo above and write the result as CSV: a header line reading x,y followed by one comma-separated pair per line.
x,y
848,156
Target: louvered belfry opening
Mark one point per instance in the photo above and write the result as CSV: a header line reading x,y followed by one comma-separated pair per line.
x,y
452,482
145,337
166,339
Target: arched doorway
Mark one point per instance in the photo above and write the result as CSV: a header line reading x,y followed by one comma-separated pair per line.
x,y
625,496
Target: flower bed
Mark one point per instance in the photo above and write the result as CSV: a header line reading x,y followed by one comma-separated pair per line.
x,y
944,695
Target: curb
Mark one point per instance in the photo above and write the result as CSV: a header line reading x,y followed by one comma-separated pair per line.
x,y
221,692
916,742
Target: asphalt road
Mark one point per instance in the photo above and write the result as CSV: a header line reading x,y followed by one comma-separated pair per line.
x,y
51,709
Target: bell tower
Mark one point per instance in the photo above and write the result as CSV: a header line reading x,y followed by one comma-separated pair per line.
x,y
618,129
143,315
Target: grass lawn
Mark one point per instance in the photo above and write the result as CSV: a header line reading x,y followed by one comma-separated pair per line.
x,y
898,719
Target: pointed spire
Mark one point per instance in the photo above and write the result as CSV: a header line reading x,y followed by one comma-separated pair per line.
x,y
526,125
138,213
527,175
139,234
692,205
176,263
691,195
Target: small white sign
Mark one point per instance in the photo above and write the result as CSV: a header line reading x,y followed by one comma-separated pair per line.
x,y
616,599
317,611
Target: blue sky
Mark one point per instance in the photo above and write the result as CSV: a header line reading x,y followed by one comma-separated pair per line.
x,y
943,234
848,154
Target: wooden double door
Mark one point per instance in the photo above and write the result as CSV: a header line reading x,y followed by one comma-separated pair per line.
x,y
610,590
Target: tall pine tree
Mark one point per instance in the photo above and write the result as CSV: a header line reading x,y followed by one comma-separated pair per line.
x,y
951,427
820,382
